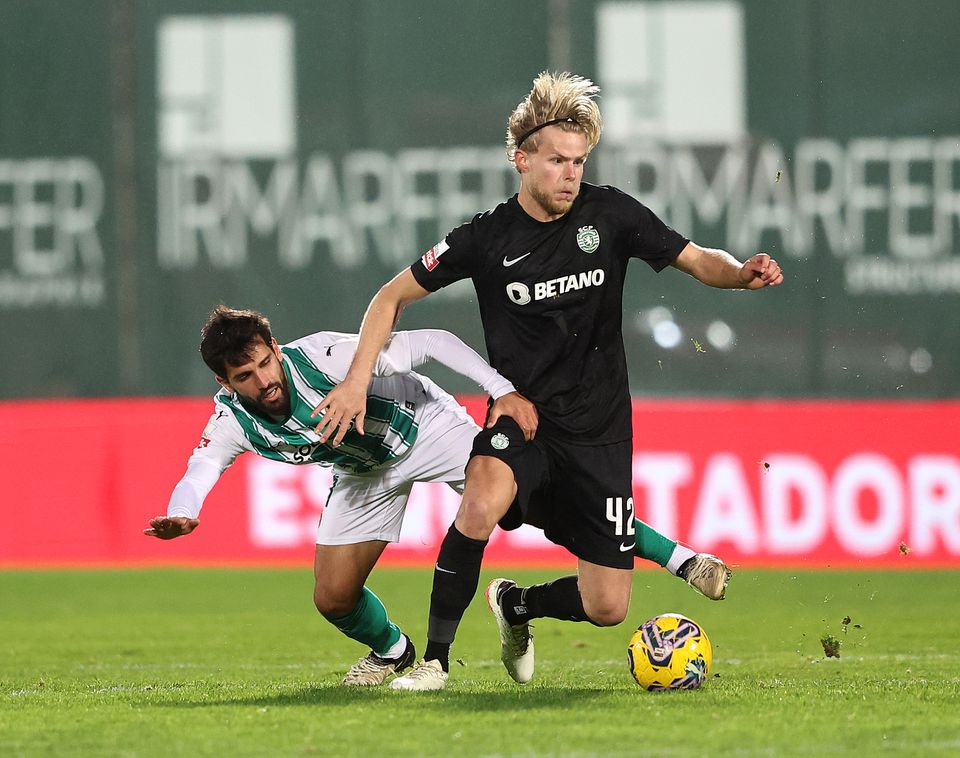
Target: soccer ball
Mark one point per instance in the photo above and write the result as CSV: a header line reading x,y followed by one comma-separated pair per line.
x,y
669,652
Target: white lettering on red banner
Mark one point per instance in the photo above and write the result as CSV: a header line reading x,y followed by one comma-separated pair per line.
x,y
809,483
867,506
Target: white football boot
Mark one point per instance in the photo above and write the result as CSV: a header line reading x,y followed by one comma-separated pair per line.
x,y
516,642
707,574
372,670
426,676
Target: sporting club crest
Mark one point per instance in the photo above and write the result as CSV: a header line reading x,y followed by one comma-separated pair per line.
x,y
588,239
499,441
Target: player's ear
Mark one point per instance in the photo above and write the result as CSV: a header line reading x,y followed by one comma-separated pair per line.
x,y
275,346
223,383
522,161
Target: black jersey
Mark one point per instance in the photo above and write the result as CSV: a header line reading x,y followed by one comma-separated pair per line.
x,y
551,301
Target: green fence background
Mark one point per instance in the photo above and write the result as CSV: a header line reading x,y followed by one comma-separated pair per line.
x,y
851,112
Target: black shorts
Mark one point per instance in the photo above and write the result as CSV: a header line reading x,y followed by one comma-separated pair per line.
x,y
580,495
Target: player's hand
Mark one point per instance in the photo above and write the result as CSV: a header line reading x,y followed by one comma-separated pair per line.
x,y
521,410
169,527
760,271
345,403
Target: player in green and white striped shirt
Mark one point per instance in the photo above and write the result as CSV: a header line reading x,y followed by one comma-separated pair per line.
x,y
414,432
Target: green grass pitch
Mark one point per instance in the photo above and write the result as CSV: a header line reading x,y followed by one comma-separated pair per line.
x,y
178,662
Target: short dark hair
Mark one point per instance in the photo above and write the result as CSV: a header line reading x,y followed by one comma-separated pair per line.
x,y
228,335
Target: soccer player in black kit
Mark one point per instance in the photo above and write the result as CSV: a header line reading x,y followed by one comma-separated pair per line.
x,y
549,267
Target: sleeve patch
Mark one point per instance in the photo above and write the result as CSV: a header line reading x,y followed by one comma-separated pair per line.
x,y
211,429
431,258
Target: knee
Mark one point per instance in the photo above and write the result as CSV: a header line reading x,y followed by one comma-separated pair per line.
x,y
490,489
606,611
607,616
333,603
477,517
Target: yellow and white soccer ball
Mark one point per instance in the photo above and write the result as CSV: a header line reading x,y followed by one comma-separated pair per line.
x,y
669,652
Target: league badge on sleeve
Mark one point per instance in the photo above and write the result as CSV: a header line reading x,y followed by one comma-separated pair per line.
x,y
210,430
431,258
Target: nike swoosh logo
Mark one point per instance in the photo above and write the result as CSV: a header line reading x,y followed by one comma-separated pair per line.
x,y
445,571
507,262
625,548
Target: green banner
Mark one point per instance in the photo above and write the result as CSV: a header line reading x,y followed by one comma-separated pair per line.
x,y
159,157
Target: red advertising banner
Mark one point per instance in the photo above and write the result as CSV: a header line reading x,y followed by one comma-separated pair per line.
x,y
757,482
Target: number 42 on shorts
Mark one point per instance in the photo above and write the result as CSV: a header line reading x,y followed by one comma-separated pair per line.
x,y
621,517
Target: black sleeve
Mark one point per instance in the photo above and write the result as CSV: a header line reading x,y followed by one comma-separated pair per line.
x,y
649,239
450,260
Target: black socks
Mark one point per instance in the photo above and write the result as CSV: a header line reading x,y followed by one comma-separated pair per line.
x,y
455,580
559,599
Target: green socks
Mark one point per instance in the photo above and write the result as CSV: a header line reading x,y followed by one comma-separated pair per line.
x,y
652,545
369,624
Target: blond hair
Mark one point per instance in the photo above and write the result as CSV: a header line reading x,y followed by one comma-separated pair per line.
x,y
564,98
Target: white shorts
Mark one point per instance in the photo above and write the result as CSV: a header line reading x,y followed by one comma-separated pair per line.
x,y
370,506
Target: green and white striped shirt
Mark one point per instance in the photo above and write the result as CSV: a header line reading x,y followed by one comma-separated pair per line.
x,y
396,399
390,426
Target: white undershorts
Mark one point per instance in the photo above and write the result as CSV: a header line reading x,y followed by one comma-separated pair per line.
x,y
370,506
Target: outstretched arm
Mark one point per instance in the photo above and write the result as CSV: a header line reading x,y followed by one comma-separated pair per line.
x,y
185,502
348,400
408,350
720,269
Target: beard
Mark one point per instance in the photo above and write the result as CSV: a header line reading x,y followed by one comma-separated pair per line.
x,y
278,408
549,203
